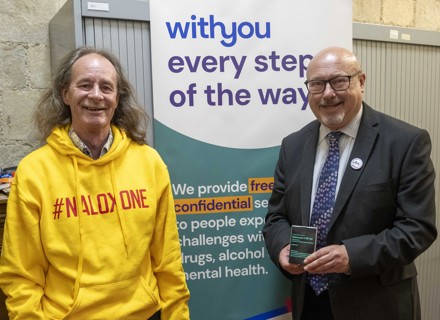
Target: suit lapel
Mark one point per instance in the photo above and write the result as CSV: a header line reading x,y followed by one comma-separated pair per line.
x,y
308,161
362,149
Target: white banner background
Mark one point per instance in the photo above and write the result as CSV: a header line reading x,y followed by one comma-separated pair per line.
x,y
189,56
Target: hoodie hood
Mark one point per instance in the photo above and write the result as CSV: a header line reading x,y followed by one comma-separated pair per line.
x,y
59,140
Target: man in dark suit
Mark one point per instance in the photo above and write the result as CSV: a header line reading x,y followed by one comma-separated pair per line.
x,y
382,216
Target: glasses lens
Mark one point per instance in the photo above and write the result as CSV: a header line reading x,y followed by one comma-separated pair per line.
x,y
316,86
340,83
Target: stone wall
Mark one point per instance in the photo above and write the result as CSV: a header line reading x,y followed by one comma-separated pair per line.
x,y
25,68
24,72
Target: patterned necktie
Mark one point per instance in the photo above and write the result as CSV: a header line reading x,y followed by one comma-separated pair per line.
x,y
323,204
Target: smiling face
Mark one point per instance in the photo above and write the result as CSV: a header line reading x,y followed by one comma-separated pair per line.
x,y
92,95
335,109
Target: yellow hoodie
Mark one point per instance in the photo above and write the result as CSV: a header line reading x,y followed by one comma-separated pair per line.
x,y
92,239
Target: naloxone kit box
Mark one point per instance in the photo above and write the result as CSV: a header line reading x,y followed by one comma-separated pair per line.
x,y
302,243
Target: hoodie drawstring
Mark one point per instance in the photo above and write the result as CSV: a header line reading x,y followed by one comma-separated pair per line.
x,y
120,215
81,242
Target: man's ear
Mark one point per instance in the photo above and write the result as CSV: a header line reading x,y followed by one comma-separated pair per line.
x,y
64,96
362,78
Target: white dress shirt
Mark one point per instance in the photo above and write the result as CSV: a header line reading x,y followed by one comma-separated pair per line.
x,y
346,142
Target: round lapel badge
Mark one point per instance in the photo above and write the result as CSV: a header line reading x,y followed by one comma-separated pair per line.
x,y
356,163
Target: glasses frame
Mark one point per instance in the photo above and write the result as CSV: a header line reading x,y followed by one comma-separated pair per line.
x,y
329,81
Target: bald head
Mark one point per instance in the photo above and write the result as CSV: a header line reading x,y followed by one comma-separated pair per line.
x,y
336,56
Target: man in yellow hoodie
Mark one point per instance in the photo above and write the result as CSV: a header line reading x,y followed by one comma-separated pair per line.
x,y
91,230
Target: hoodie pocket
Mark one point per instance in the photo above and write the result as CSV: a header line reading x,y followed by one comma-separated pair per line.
x,y
127,299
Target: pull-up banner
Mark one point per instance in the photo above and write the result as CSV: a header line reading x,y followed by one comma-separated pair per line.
x,y
228,85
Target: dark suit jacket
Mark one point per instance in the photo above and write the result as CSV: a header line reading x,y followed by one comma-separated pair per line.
x,y
384,214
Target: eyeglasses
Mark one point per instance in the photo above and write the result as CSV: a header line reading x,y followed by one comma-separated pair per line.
x,y
338,83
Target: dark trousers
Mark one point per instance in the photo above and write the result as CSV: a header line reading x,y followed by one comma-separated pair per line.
x,y
316,307
155,316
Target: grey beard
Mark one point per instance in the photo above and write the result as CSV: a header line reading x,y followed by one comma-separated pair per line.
x,y
332,121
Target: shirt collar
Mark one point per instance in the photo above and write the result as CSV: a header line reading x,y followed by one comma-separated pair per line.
x,y
82,146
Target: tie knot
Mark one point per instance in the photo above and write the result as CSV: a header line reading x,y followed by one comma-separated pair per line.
x,y
333,137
